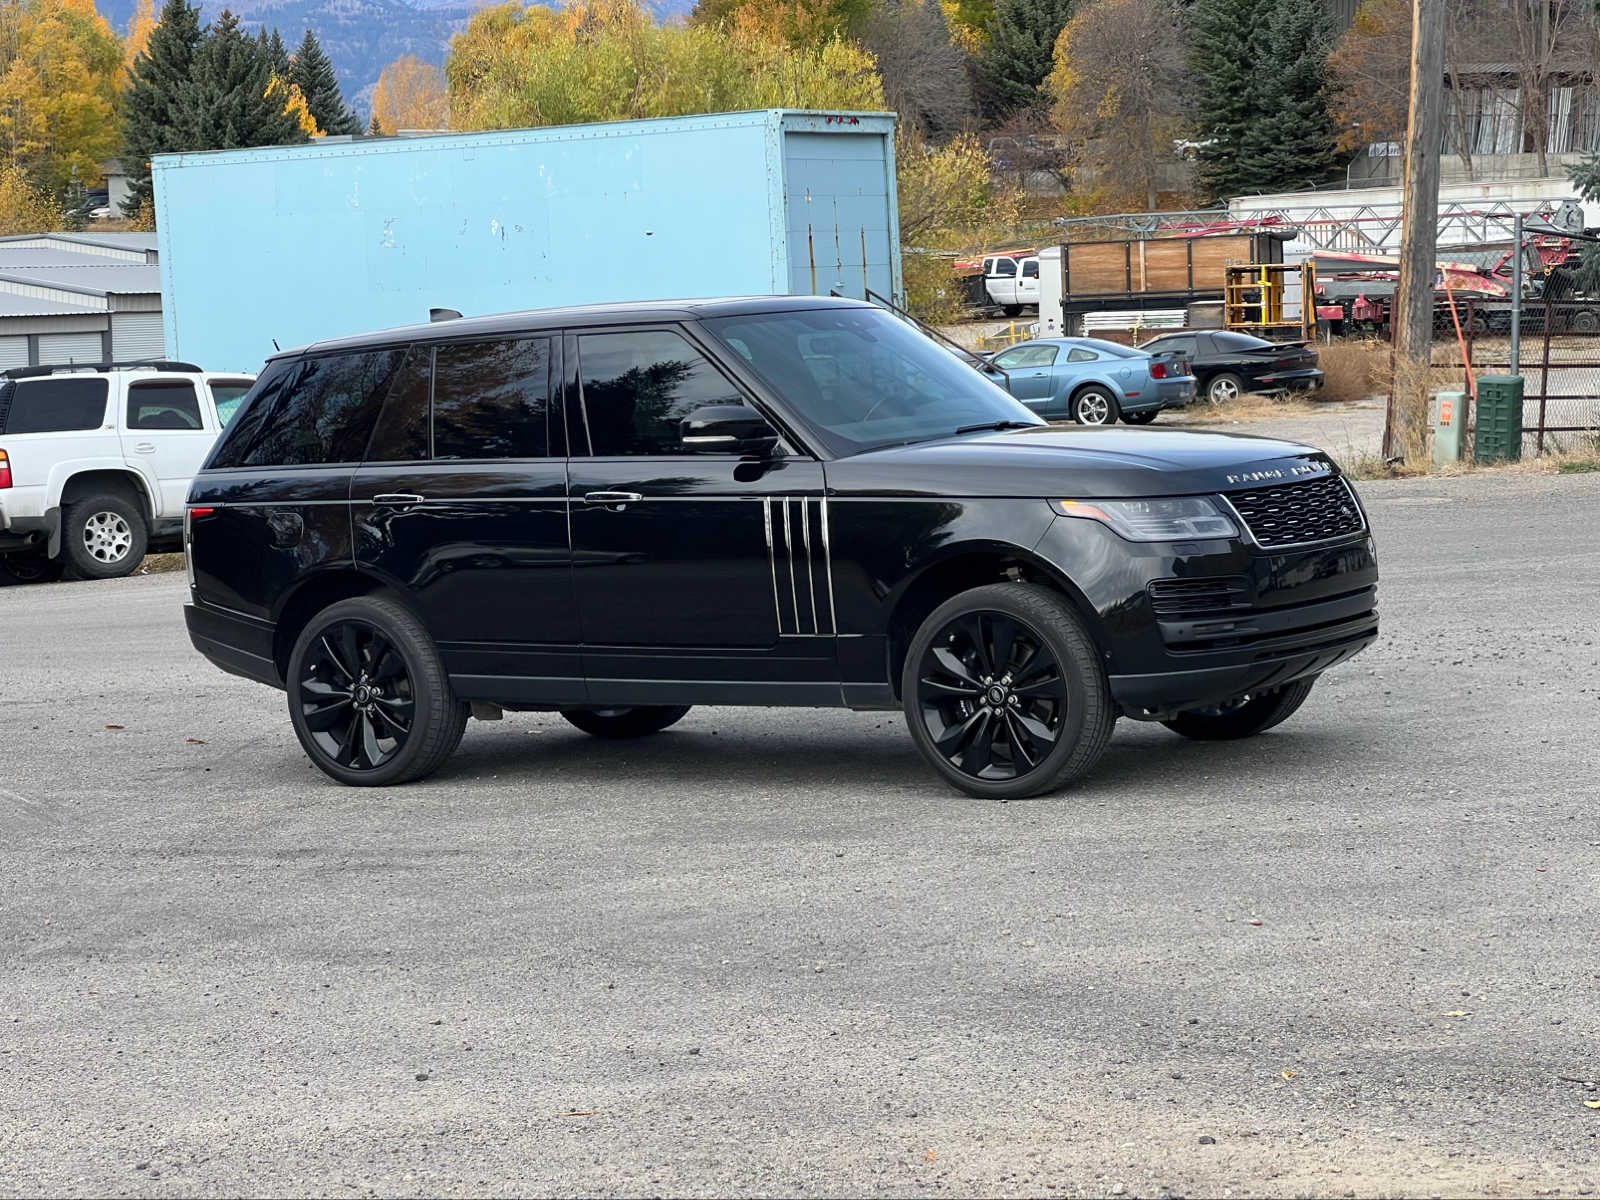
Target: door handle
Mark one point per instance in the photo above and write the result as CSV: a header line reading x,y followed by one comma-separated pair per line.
x,y
145,447
611,500
396,498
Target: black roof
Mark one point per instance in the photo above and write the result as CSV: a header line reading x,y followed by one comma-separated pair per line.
x,y
641,312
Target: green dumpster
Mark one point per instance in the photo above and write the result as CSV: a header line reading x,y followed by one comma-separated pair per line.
x,y
1499,433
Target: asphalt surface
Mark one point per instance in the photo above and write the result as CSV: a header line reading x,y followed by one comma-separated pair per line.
x,y
767,952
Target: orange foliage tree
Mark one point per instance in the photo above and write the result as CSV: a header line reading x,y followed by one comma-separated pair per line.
x,y
411,94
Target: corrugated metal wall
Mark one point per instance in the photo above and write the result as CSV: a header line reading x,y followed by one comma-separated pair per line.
x,y
59,348
136,335
13,352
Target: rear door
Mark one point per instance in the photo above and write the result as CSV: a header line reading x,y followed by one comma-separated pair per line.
x,y
167,432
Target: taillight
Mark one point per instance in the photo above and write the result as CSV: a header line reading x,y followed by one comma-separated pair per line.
x,y
5,470
190,516
1158,370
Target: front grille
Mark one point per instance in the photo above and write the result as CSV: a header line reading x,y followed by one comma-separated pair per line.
x,y
1197,597
1293,514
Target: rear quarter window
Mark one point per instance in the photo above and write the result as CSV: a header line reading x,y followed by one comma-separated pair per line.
x,y
309,411
63,405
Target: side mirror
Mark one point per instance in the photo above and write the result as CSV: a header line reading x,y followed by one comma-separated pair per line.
x,y
727,429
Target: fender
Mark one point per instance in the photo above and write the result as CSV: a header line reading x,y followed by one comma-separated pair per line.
x,y
62,473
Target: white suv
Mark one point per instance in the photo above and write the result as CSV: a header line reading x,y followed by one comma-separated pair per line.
x,y
95,462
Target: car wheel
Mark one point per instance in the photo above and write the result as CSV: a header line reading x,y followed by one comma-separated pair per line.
x,y
1004,692
1094,406
103,536
1224,388
1141,418
368,695
1012,310
30,568
1585,321
626,722
1243,716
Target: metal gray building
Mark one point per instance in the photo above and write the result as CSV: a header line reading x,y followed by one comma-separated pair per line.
x,y
79,297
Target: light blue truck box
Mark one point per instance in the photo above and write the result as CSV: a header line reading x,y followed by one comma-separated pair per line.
x,y
294,244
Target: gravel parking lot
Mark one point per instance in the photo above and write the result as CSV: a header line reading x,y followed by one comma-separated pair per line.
x,y
766,952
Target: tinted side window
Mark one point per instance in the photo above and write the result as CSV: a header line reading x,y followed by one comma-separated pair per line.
x,y
55,405
638,386
228,395
1005,266
1030,269
402,431
164,404
1079,354
492,399
310,411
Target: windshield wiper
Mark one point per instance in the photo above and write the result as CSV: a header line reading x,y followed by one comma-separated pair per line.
x,y
995,425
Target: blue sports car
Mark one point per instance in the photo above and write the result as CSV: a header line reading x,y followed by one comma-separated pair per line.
x,y
1094,382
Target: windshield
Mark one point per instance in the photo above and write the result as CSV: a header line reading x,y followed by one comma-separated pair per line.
x,y
861,378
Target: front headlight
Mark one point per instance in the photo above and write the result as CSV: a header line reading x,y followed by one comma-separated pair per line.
x,y
1169,519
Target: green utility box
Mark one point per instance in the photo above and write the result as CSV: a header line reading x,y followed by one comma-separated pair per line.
x,y
1499,435
1449,427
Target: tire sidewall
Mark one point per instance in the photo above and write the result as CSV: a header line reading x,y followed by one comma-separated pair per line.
x,y
993,599
84,565
1211,396
411,640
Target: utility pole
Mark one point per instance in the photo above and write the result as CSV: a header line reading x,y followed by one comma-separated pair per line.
x,y
1405,432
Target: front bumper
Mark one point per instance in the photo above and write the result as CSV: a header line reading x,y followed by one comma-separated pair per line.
x,y
1186,625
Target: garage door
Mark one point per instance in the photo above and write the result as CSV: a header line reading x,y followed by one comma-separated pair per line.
x,y
13,352
137,335
57,348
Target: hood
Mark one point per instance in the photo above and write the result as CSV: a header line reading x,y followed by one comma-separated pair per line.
x,y
1053,461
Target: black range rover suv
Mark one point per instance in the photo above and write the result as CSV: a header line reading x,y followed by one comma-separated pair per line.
x,y
618,512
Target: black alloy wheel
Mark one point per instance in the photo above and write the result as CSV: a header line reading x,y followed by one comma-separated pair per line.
x,y
356,696
368,695
1243,716
1004,692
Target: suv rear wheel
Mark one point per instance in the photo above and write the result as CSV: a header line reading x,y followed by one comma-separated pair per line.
x,y
625,722
103,536
1243,716
1004,692
368,695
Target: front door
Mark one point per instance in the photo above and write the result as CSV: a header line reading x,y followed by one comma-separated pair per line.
x,y
1028,369
463,502
169,433
698,576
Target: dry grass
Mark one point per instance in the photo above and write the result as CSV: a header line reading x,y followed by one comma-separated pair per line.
x,y
1252,406
1352,371
155,564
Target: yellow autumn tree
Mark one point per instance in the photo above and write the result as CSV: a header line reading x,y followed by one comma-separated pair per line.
x,y
140,27
609,60
59,66
25,208
411,94
294,105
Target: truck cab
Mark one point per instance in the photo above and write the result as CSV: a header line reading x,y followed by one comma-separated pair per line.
x,y
1012,283
95,461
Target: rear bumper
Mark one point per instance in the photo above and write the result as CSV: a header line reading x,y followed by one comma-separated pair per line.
x,y
239,645
30,532
1295,381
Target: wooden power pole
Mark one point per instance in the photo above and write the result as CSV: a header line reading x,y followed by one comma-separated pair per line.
x,y
1405,432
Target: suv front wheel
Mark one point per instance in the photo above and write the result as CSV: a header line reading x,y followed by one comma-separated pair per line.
x,y
368,695
634,722
1004,692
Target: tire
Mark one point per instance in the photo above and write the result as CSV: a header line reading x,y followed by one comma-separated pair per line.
x,y
103,536
635,722
1244,716
1224,388
1584,321
377,644
1011,310
1141,418
1094,405
26,567
957,692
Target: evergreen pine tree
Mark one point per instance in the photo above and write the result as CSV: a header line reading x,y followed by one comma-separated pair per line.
x,y
150,119
277,54
1226,38
1292,142
374,129
226,106
1021,51
313,72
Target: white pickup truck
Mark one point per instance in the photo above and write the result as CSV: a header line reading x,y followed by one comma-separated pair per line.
x,y
95,463
1011,283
